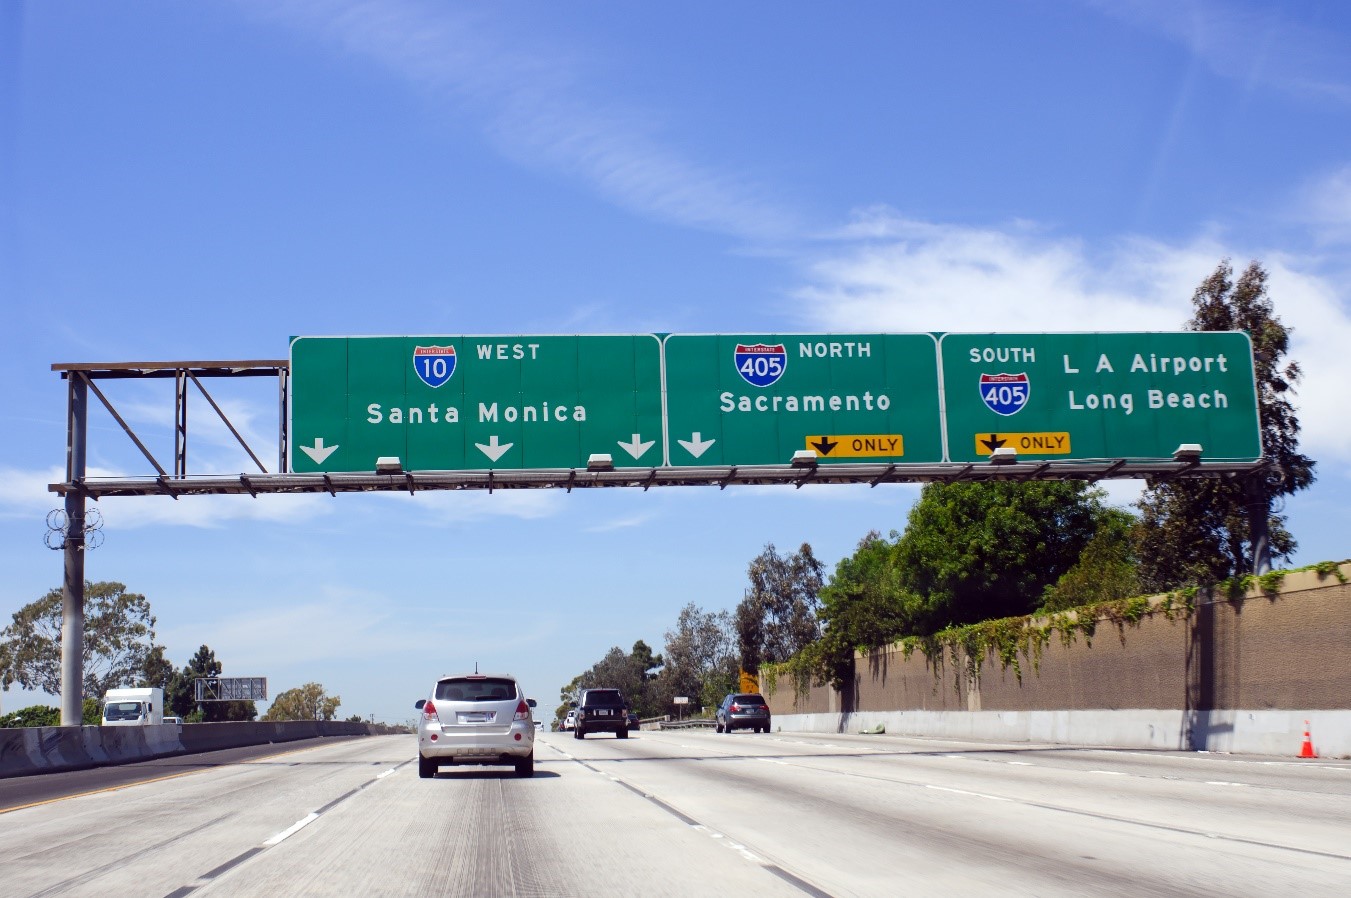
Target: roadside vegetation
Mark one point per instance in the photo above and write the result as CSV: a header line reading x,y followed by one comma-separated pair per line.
x,y
120,650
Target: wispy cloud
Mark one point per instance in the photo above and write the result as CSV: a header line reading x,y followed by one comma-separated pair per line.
x,y
884,272
1256,45
24,494
532,102
335,623
625,523
1324,206
456,507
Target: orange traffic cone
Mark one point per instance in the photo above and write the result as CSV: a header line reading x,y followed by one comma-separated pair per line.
x,y
1306,750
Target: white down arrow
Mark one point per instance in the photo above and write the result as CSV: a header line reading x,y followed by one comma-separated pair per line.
x,y
319,451
637,447
695,446
494,450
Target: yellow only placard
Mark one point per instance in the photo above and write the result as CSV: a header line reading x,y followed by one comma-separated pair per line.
x,y
857,445
1052,443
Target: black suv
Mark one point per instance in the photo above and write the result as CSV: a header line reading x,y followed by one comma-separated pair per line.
x,y
602,711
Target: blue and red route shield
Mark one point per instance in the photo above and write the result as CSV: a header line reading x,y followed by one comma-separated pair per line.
x,y
1005,394
759,364
434,364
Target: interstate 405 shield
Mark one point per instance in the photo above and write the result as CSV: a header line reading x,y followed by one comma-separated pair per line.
x,y
757,399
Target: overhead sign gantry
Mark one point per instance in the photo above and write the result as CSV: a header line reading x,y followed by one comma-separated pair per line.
x,y
364,414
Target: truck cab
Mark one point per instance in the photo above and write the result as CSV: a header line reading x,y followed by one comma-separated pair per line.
x,y
133,707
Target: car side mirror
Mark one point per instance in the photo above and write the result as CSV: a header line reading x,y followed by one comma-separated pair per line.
x,y
572,704
532,703
420,703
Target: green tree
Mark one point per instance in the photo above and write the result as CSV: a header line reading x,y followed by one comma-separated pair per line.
x,y
1198,531
181,694
1107,570
47,716
632,673
308,702
180,697
977,551
158,670
777,617
566,696
648,662
701,657
616,670
862,607
119,637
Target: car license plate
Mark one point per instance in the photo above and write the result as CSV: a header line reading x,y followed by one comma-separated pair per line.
x,y
477,716
603,712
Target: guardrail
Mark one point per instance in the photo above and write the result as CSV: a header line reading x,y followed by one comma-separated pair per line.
x,y
691,723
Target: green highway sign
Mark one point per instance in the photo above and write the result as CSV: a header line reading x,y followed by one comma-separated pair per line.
x,y
472,403
757,399
715,400
1059,397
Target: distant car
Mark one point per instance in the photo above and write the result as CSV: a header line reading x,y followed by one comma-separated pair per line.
x,y
569,722
634,722
173,720
475,719
742,711
539,725
602,711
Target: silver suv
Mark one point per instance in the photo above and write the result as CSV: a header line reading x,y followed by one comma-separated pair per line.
x,y
476,719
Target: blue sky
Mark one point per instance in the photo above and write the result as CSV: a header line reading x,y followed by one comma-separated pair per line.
x,y
201,181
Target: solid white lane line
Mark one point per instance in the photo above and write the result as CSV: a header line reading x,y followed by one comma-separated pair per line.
x,y
965,792
291,830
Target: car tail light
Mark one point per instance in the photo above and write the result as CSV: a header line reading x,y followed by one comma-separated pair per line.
x,y
522,712
736,709
429,712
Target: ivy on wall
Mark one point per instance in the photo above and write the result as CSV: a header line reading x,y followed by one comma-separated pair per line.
x,y
1016,641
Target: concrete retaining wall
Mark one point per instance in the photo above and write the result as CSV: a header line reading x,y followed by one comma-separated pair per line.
x,y
1237,675
1279,733
28,750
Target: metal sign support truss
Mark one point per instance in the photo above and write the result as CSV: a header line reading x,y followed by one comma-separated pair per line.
x,y
77,487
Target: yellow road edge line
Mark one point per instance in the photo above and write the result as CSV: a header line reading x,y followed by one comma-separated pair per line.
x,y
158,779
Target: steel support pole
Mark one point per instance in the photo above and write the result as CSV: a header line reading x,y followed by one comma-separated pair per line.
x,y
1259,513
181,424
72,583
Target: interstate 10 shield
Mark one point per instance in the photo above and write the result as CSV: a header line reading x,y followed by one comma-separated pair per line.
x,y
434,365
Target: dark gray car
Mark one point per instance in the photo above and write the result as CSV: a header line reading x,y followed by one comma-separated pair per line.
x,y
743,711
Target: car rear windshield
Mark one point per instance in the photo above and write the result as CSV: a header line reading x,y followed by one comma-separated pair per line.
x,y
750,699
603,698
475,689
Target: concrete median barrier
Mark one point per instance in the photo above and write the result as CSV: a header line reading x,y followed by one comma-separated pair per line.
x,y
30,750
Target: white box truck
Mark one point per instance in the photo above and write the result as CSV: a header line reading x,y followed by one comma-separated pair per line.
x,y
133,707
